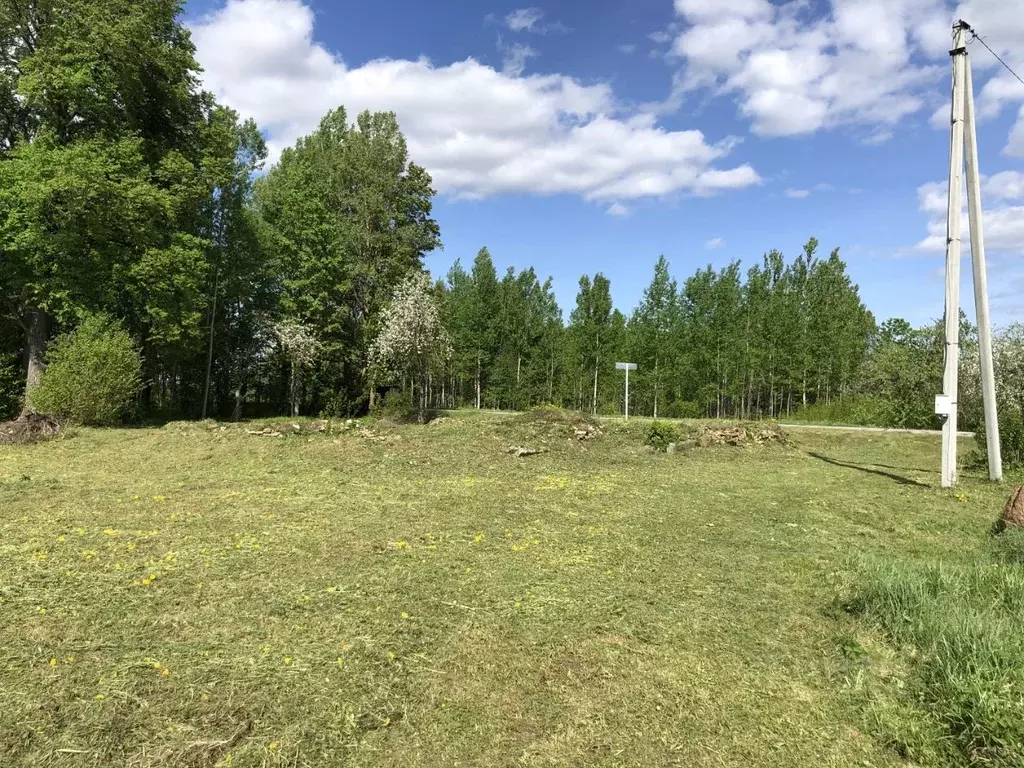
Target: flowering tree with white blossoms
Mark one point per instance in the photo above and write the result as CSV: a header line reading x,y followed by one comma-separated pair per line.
x,y
412,340
302,348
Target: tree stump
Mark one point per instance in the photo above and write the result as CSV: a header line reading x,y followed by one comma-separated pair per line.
x,y
1013,514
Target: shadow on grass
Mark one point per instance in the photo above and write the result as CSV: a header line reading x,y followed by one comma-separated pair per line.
x,y
863,468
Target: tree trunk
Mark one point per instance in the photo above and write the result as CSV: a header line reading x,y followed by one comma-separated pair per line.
x,y
655,386
478,380
295,390
37,332
236,414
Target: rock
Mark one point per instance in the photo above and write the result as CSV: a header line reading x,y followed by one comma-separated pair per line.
x,y
586,432
670,448
1013,514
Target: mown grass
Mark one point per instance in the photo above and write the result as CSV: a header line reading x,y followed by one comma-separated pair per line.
x,y
192,596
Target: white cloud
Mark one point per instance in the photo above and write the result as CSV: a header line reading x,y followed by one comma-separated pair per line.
x,y
626,48
1003,222
515,58
529,20
617,209
478,131
793,71
797,194
659,36
714,243
523,19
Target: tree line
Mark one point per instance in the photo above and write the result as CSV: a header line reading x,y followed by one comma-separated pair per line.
x,y
724,343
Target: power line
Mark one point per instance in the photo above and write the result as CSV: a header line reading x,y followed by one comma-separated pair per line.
x,y
1008,69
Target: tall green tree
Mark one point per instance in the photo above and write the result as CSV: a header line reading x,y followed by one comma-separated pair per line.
x,y
101,168
654,323
350,215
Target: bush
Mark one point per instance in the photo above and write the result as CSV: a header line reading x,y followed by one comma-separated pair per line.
x,y
685,409
856,411
661,433
93,374
1011,439
396,405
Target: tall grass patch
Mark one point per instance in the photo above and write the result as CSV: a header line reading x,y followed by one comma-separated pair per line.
x,y
959,630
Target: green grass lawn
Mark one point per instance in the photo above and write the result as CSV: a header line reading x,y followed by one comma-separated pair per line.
x,y
188,596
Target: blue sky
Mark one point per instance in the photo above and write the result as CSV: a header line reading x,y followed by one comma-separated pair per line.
x,y
581,137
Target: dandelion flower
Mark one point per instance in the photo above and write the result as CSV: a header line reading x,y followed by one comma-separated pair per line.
x,y
272,746
287,659
60,539
42,611
53,662
405,615
99,697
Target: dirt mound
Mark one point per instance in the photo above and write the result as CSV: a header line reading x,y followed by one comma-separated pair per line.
x,y
741,435
1013,514
29,428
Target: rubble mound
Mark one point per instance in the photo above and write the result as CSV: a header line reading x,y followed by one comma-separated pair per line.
x,y
29,428
753,434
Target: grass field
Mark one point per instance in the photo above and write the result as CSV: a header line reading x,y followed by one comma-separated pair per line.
x,y
196,596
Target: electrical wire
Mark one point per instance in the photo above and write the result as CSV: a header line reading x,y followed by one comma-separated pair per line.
x,y
982,41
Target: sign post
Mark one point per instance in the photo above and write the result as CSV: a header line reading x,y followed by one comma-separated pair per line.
x,y
627,367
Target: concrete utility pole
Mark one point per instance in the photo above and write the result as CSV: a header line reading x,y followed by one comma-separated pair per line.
x,y
946,404
627,367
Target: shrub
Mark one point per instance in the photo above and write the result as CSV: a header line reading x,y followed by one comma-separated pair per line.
x,y
685,409
396,405
1011,439
857,411
661,433
93,374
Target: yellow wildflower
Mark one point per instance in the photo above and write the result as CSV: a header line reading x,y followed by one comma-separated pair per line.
x,y
60,539
53,662
287,659
159,498
42,611
99,697
109,532
405,615
401,544
272,746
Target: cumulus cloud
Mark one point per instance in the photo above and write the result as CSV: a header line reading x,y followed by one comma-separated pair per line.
x,y
714,243
479,132
793,71
1002,198
617,209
